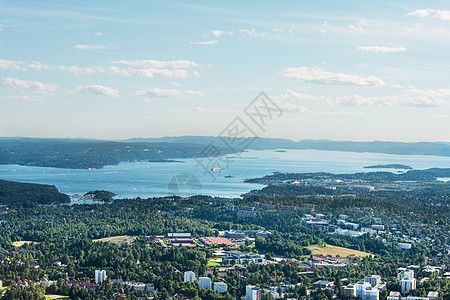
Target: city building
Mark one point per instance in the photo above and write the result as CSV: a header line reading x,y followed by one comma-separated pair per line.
x,y
404,246
100,276
364,290
324,284
189,276
374,280
220,287
252,293
242,258
432,295
405,274
407,284
394,296
348,291
204,283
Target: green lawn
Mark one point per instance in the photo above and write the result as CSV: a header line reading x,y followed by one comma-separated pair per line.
x,y
21,243
335,250
213,263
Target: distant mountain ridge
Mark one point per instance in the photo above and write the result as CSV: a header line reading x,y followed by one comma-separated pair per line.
x,y
401,148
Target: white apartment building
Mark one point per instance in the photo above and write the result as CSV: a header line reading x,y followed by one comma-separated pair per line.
x,y
189,276
100,276
204,283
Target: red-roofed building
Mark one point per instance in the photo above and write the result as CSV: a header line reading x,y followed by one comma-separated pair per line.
x,y
82,284
216,241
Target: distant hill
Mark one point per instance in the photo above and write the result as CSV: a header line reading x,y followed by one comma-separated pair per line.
x,y
87,153
17,193
83,154
422,148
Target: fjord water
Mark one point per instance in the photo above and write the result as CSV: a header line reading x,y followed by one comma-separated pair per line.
x,y
150,179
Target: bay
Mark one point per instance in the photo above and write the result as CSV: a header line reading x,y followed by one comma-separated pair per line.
x,y
187,177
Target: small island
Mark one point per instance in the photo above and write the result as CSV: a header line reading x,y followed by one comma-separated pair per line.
x,y
104,196
390,166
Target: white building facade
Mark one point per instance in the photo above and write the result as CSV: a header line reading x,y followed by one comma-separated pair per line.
x,y
189,276
100,276
204,283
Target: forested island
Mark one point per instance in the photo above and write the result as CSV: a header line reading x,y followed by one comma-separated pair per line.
x,y
85,154
16,193
390,166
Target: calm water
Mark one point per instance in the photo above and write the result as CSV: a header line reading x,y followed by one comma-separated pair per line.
x,y
152,179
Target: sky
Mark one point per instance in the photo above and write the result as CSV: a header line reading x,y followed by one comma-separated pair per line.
x,y
340,70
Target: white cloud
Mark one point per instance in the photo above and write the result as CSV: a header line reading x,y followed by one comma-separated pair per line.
x,y
11,64
98,34
174,83
429,93
162,93
97,90
357,28
381,49
205,43
199,109
292,95
251,32
38,66
150,63
36,86
115,70
89,47
392,100
79,70
150,68
151,72
341,113
318,75
433,13
218,33
159,93
325,28
195,93
278,30
2,27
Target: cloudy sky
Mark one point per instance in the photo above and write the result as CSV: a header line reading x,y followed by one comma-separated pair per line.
x,y
342,70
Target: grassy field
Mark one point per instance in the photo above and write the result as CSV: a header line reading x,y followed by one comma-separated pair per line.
x,y
335,250
21,243
212,263
116,239
55,297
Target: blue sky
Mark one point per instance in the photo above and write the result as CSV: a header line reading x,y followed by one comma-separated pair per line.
x,y
353,70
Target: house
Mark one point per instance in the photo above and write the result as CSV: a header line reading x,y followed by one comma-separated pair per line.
x,y
394,296
324,284
179,235
82,284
